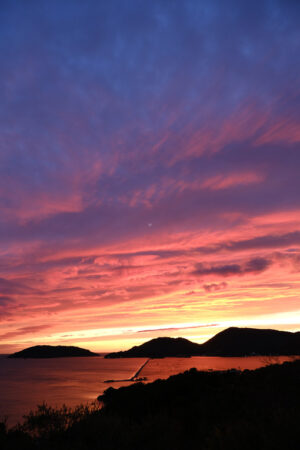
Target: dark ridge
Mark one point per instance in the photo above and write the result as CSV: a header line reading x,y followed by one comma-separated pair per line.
x,y
51,351
251,341
159,348
230,342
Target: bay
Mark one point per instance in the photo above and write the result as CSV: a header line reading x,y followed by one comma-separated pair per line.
x,y
25,383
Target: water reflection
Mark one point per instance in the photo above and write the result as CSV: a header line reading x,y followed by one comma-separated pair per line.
x,y
71,381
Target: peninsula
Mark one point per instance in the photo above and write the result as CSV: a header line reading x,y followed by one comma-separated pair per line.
x,y
230,342
51,351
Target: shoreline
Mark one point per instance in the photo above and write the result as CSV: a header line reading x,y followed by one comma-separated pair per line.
x,y
186,410
20,393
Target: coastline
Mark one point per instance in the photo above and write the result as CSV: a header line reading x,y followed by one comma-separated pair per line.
x,y
206,406
24,384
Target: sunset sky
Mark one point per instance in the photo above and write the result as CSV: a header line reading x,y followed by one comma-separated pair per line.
x,y
149,170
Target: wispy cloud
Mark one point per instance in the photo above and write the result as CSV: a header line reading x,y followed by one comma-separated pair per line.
x,y
178,328
24,331
254,265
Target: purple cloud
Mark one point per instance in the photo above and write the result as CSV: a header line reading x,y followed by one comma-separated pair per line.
x,y
255,265
214,287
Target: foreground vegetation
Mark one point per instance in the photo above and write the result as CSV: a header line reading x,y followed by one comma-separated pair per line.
x,y
194,410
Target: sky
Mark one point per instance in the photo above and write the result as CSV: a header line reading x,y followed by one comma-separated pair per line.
x,y
149,170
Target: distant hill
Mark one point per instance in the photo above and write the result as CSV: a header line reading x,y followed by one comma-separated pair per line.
x,y
159,348
50,351
230,342
247,341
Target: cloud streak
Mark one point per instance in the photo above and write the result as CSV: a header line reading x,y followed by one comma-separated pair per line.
x,y
255,265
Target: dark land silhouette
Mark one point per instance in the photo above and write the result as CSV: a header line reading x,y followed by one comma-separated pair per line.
x,y
159,348
51,351
230,410
230,342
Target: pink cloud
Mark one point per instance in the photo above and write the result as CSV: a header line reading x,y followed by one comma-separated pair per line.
x,y
227,181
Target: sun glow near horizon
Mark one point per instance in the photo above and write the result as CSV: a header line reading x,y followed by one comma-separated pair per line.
x,y
114,339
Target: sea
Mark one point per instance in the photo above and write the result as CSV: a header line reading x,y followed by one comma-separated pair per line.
x,y
26,383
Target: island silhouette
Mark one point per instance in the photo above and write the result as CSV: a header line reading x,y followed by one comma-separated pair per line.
x,y
232,342
52,351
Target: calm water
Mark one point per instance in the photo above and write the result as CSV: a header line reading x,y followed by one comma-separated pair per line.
x,y
71,381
